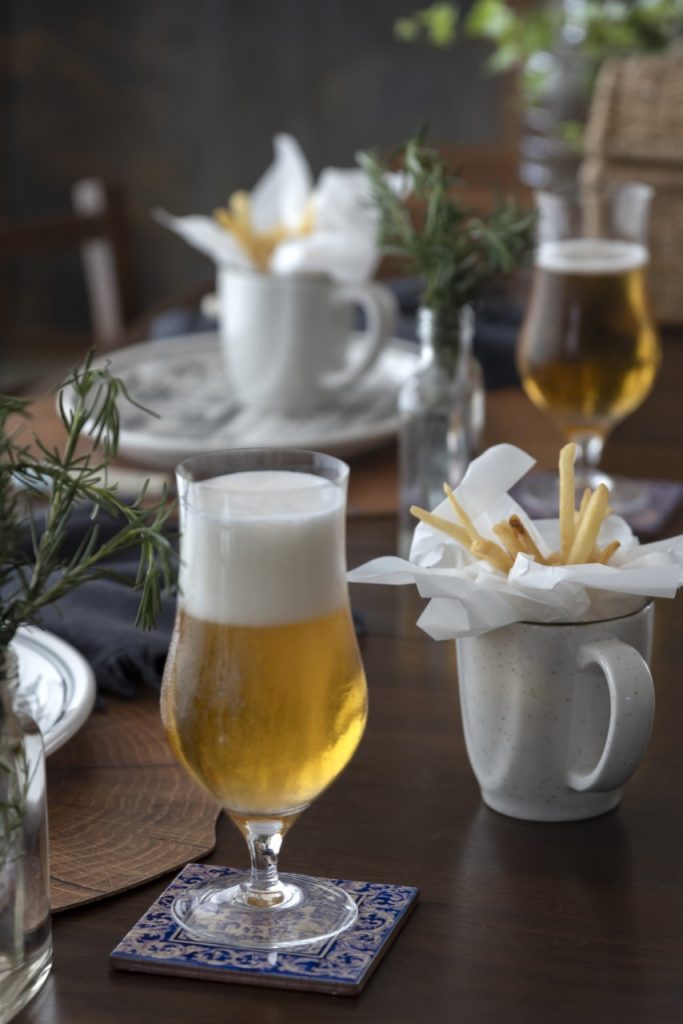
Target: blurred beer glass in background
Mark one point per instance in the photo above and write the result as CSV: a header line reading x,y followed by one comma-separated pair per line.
x,y
588,351
264,695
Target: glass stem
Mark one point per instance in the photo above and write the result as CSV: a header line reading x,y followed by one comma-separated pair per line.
x,y
588,455
264,839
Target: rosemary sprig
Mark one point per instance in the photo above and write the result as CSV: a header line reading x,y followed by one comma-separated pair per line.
x,y
43,574
453,248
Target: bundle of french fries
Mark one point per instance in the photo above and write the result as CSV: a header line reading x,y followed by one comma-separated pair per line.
x,y
236,218
579,528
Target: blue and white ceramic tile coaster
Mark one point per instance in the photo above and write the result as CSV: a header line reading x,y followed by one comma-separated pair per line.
x,y
340,966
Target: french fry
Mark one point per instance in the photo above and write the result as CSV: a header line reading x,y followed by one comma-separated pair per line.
x,y
591,521
578,517
585,498
493,554
525,540
236,218
579,528
456,532
462,515
606,553
480,547
507,536
566,499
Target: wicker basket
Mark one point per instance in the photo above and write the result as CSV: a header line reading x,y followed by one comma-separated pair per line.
x,y
635,133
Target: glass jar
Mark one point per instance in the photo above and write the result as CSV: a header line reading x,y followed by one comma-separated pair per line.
x,y
25,933
441,411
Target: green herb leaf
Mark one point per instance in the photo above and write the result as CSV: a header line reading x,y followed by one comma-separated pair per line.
x,y
88,403
455,250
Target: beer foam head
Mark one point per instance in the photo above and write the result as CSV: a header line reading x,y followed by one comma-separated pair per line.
x,y
591,256
262,548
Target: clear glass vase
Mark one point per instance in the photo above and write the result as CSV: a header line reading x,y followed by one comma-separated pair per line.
x,y
25,934
441,410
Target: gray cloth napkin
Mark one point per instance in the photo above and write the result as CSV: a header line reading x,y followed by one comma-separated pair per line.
x,y
98,619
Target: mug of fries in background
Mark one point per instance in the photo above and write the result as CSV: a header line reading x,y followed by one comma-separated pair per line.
x,y
556,716
294,262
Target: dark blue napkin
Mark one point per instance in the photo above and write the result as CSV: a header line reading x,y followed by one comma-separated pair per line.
x,y
98,618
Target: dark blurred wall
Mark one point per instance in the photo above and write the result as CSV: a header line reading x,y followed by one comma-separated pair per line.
x,y
177,101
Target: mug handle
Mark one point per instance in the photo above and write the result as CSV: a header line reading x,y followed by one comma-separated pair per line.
x,y
380,309
632,709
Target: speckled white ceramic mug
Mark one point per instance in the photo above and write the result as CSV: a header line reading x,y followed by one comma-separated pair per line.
x,y
556,717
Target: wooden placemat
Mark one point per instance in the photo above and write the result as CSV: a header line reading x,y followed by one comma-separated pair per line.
x,y
121,810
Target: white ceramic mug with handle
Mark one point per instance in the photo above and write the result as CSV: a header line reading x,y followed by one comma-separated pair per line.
x,y
287,339
557,716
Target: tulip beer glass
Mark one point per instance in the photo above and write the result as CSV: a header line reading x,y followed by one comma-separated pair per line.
x,y
589,350
264,695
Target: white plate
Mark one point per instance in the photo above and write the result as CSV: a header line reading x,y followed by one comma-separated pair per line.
x,y
56,685
183,381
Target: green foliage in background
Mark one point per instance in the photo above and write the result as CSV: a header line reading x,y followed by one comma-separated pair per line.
x,y
424,221
600,29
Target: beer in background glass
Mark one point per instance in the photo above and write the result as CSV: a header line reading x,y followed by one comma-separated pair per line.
x,y
264,695
589,350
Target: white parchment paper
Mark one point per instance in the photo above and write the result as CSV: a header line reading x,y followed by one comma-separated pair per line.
x,y
342,243
468,596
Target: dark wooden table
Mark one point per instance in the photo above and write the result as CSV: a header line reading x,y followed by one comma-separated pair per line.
x,y
517,922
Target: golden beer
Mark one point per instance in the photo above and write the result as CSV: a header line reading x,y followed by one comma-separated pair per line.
x,y
264,696
589,350
264,717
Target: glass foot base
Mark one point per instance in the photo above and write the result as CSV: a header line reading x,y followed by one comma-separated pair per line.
x,y
311,911
539,494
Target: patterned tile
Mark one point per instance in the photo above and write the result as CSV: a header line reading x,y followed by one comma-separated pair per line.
x,y
339,966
